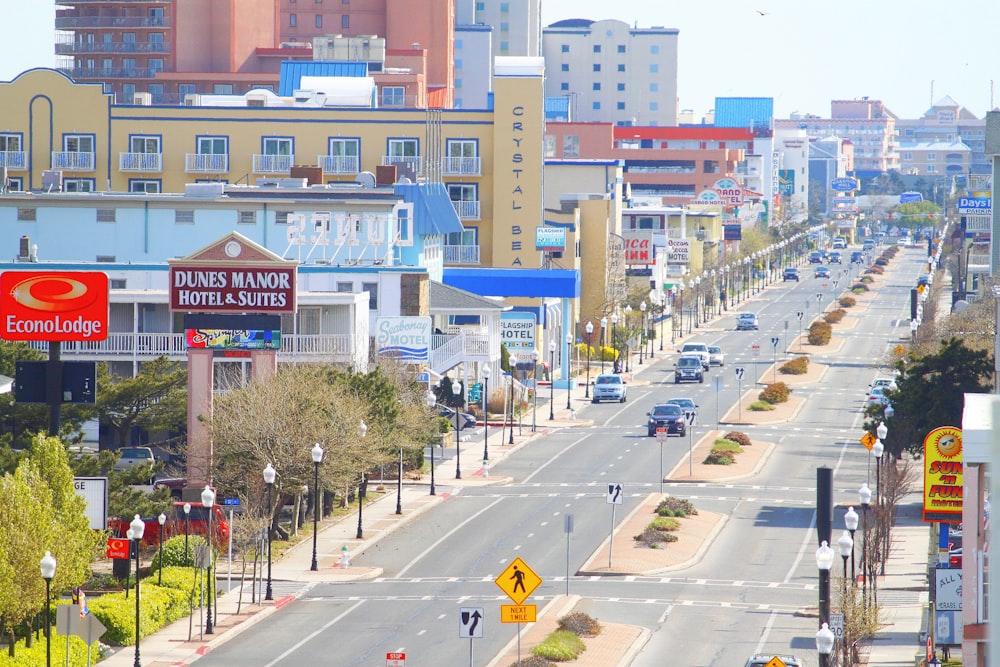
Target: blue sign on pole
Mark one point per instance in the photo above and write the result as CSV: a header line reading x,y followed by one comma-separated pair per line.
x,y
844,184
910,197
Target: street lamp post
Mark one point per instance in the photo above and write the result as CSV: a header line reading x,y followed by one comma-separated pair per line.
x,y
431,402
510,433
138,528
846,545
207,501
534,391
824,644
680,319
865,498
362,491
628,346
399,484
589,329
697,298
614,323
663,312
824,561
187,530
48,567
162,519
317,457
552,380
486,420
604,325
878,449
456,390
642,329
569,381
851,523
270,474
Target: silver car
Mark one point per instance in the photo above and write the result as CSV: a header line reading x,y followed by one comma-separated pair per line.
x,y
716,357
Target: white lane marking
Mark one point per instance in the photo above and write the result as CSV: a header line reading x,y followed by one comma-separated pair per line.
x,y
447,535
312,635
555,457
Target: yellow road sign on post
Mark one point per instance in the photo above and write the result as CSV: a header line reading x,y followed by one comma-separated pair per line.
x,y
517,613
518,581
868,440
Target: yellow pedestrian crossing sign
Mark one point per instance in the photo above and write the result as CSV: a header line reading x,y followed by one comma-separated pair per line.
x,y
868,440
775,662
518,581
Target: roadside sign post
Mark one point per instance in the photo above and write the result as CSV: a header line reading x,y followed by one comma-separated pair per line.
x,y
470,626
739,399
661,437
774,356
717,387
518,581
690,415
395,660
568,529
799,315
755,353
784,338
614,498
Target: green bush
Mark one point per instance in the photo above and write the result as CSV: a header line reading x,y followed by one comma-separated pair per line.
x,y
835,316
881,261
580,624
173,550
797,366
820,333
665,523
877,270
847,301
761,406
671,506
740,438
720,457
36,655
560,646
775,393
867,280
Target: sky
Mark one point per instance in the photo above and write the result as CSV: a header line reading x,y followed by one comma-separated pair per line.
x,y
802,53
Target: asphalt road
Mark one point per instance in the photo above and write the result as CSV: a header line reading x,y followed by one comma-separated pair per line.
x,y
741,598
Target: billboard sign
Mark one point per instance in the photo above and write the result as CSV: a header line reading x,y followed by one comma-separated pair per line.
x,y
94,491
678,251
910,197
517,331
405,338
732,232
786,182
709,197
54,305
233,339
730,191
203,288
638,248
943,475
981,205
550,239
844,184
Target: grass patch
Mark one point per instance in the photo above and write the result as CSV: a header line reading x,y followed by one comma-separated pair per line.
x,y
560,646
665,523
723,452
761,406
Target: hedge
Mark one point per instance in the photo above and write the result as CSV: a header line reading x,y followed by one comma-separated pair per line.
x,y
835,316
672,506
723,452
847,301
775,393
819,333
761,406
580,624
740,438
797,366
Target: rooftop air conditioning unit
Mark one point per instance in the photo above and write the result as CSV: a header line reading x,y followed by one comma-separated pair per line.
x,y
142,99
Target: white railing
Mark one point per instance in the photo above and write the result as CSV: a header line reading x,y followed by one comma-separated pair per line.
x,y
338,164
13,159
416,163
449,353
140,161
467,210
463,166
174,345
461,254
272,164
206,163
73,161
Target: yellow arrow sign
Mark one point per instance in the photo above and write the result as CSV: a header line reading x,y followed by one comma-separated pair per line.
x,y
518,581
868,440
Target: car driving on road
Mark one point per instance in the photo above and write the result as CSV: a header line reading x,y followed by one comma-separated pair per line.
x,y
699,350
689,369
668,416
609,387
716,357
791,273
685,404
746,322
822,272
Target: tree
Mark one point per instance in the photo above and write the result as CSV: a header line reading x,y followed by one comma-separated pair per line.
x,y
931,393
155,399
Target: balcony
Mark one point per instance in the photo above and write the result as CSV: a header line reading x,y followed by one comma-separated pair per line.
x,y
113,72
72,161
338,164
74,22
16,160
396,101
405,165
128,346
203,163
467,210
462,166
272,164
461,254
73,48
147,162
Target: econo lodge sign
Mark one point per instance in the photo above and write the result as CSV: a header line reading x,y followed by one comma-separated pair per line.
x,y
54,305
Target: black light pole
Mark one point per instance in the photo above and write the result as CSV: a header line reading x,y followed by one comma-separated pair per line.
x,y
552,376
510,431
569,375
162,519
187,530
431,402
851,523
642,329
399,484
48,567
824,561
270,474
317,457
589,329
362,491
456,390
628,347
604,325
487,371
138,528
208,501
614,324
865,496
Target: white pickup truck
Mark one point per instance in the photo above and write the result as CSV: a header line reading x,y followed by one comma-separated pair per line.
x,y
699,350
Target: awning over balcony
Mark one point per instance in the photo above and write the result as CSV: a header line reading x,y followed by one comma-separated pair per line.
x,y
433,211
555,283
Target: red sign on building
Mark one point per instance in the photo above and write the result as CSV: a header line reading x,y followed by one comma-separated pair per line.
x,y
54,305
118,548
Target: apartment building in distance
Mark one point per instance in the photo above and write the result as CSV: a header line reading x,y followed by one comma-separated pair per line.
x,y
612,73
948,140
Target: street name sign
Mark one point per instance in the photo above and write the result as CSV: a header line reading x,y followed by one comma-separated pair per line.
x,y
517,613
518,581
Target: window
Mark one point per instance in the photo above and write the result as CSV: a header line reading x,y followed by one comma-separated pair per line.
x,y
504,26
345,21
654,87
212,145
248,217
654,68
319,20
621,106
549,145
9,143
186,89
621,67
654,106
403,148
563,86
564,48
78,143
504,7
372,289
155,65
15,184
596,106
184,217
480,6
308,321
564,67
621,48
932,156
156,92
465,197
597,48
343,156
504,46
222,89
597,67
155,41
597,86
147,186
118,283
571,145
393,96
907,156
345,287
276,145
293,20
621,86
404,224
654,49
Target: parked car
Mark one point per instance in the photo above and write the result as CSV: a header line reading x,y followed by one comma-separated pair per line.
x,y
699,350
822,272
746,322
689,369
196,524
888,383
130,457
764,659
465,420
686,404
877,396
816,257
667,416
716,357
175,484
835,258
609,388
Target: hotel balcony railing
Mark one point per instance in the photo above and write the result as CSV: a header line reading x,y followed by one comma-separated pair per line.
x,y
414,163
70,22
462,166
204,163
14,160
461,254
338,164
140,162
73,161
70,48
113,72
120,346
398,101
272,164
467,210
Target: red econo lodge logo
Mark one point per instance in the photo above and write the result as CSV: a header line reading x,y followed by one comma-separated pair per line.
x,y
54,305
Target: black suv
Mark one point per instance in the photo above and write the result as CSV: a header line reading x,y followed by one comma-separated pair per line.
x,y
791,273
667,416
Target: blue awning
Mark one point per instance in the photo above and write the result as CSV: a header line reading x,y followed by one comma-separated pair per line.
x,y
433,210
